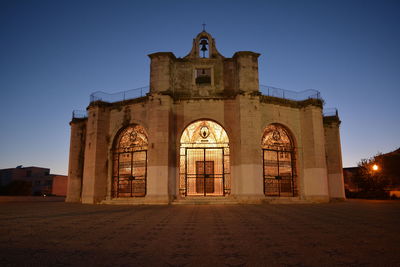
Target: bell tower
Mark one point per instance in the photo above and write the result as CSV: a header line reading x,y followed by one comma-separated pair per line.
x,y
204,72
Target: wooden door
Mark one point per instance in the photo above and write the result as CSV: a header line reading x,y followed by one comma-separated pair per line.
x,y
205,177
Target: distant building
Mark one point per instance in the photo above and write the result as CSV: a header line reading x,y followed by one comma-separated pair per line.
x,y
205,130
39,179
60,185
390,166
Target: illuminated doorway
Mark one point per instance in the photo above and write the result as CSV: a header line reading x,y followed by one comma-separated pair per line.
x,y
278,162
204,160
130,163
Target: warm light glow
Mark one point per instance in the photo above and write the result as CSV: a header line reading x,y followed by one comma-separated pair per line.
x,y
278,161
130,162
204,133
277,138
375,167
204,160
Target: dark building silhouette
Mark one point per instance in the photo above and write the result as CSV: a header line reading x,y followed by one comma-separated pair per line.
x,y
34,180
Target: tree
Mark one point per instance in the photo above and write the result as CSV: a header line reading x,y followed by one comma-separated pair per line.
x,y
371,178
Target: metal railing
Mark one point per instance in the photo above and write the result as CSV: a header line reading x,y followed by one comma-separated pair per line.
x,y
79,114
330,112
119,96
290,95
264,89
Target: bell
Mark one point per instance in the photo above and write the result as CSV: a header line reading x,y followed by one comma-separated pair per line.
x,y
203,44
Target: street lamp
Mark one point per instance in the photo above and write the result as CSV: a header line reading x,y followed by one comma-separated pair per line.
x,y
375,167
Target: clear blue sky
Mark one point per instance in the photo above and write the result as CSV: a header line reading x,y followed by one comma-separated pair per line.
x,y
54,54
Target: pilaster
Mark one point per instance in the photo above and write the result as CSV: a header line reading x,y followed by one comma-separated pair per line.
x,y
334,159
159,152
96,154
315,181
248,178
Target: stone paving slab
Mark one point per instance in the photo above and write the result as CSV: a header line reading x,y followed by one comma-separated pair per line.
x,y
31,199
351,233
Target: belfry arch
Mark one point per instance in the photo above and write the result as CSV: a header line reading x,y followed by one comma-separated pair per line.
x,y
130,162
204,165
279,168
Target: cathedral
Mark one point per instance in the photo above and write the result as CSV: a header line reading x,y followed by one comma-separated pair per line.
x,y
206,131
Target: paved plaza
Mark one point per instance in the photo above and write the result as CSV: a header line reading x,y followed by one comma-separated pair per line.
x,y
351,233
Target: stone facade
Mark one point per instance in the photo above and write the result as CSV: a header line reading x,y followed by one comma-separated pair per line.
x,y
209,89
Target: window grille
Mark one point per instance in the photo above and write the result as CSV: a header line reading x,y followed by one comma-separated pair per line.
x,y
204,160
130,163
278,162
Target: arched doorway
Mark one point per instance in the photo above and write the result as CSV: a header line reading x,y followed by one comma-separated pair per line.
x,y
130,162
278,162
204,160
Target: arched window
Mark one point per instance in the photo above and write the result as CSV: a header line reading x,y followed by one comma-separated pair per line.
x,y
278,162
130,163
204,160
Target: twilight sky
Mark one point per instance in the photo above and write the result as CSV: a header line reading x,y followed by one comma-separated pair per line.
x,y
54,54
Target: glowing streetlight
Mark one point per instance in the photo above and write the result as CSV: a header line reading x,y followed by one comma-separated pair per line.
x,y
375,167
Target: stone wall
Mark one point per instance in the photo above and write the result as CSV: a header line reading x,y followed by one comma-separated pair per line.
x,y
76,160
244,118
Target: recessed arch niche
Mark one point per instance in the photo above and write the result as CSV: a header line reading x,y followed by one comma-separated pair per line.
x,y
204,165
130,162
279,168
